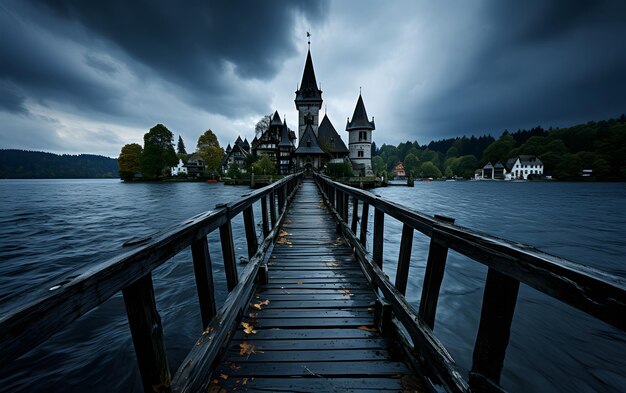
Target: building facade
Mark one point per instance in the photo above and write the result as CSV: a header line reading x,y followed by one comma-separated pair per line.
x,y
360,139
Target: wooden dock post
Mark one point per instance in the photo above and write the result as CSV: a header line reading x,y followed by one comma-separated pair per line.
x,y
147,332
204,279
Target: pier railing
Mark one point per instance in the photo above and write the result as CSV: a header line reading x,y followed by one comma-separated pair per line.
x,y
31,324
599,294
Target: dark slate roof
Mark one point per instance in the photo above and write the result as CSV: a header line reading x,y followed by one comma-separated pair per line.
x,y
285,141
359,118
254,142
228,149
488,165
328,136
524,160
498,165
246,145
276,120
308,90
238,141
309,135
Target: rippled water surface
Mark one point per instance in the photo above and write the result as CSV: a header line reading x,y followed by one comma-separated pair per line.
x,y
51,228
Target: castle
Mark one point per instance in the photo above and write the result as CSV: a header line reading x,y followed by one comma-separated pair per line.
x,y
318,141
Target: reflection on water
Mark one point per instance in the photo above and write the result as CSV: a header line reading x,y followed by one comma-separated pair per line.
x,y
49,228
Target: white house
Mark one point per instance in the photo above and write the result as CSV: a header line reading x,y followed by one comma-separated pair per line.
x,y
521,167
179,169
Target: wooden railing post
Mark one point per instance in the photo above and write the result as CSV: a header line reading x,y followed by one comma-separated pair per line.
x,y
147,332
339,201
250,227
228,251
499,301
364,219
433,277
404,258
272,209
281,200
355,214
266,224
204,279
378,242
345,204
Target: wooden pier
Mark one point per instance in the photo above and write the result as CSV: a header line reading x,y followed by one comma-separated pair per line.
x,y
312,309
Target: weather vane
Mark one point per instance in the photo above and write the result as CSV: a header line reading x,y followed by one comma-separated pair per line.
x,y
308,36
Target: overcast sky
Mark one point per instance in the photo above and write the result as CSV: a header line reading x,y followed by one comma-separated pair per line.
x,y
89,77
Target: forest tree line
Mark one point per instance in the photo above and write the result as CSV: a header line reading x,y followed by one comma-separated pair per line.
x,y
565,152
24,164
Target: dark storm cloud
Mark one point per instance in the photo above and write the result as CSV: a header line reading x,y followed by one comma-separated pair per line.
x,y
534,62
11,100
191,46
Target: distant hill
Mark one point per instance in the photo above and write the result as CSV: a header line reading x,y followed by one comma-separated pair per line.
x,y
23,164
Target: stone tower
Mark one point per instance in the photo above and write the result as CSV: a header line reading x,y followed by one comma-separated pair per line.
x,y
360,139
308,99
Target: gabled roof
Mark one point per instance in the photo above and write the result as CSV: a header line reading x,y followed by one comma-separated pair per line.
x,y
524,160
488,165
276,120
359,118
285,141
498,165
308,90
238,141
308,142
245,144
228,149
328,136
254,142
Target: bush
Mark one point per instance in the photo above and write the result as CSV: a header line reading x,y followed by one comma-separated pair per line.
x,y
339,170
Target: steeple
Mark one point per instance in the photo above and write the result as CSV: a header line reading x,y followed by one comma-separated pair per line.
x,y
308,93
276,120
359,117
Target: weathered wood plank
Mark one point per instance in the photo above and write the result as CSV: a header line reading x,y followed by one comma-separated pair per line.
x,y
308,334
147,332
499,301
228,251
314,344
250,228
404,258
315,384
328,355
203,273
323,369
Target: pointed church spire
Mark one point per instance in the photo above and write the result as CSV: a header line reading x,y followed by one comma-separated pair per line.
x,y
359,118
308,90
276,120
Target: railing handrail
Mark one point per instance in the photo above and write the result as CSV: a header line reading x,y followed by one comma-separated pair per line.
x,y
30,324
482,247
597,293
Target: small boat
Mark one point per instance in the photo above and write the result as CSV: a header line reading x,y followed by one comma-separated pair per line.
x,y
211,181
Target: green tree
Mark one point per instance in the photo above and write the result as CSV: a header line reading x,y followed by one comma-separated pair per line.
x,y
209,149
337,170
411,164
448,173
264,166
180,148
428,169
234,172
129,161
378,165
158,151
500,149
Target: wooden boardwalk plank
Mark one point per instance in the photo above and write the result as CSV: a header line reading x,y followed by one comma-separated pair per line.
x,y
311,327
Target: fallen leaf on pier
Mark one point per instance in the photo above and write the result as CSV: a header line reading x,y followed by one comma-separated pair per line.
x,y
252,315
368,328
208,330
258,306
283,240
283,233
248,328
234,367
299,283
224,376
330,264
245,381
247,349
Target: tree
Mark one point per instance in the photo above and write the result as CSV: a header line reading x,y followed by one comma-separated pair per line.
x,y
500,149
234,172
411,164
378,165
264,166
341,169
428,169
129,161
262,125
209,149
158,151
181,146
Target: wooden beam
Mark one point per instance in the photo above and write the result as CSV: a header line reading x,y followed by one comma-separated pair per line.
x,y
499,301
404,258
147,332
433,277
203,273
266,224
272,209
355,214
228,251
364,219
250,228
378,242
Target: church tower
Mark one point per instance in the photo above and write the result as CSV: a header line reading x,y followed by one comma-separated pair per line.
x,y
308,99
360,139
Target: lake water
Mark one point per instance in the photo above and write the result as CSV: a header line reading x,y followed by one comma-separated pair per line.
x,y
50,228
